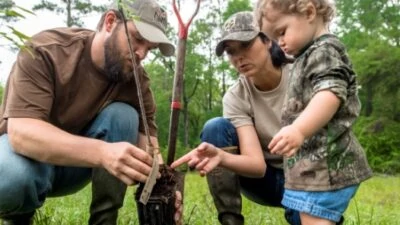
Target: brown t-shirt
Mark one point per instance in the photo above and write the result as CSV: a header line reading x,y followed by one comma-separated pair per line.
x,y
57,82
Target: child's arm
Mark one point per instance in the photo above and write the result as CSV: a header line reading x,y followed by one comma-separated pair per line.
x,y
250,162
316,115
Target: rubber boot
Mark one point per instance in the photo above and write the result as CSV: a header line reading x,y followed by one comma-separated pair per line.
x,y
108,194
341,221
225,189
24,219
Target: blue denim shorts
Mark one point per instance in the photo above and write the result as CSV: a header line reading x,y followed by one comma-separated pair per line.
x,y
328,205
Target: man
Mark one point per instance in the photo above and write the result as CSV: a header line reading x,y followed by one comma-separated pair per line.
x,y
70,105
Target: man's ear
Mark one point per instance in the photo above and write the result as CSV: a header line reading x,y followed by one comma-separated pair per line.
x,y
311,11
109,20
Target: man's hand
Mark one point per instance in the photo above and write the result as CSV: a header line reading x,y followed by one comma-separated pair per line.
x,y
127,162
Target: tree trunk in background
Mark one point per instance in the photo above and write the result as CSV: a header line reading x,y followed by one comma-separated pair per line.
x,y
369,100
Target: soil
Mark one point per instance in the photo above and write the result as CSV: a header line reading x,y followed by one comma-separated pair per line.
x,y
160,208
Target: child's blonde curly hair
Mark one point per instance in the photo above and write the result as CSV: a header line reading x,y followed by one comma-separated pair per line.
x,y
325,8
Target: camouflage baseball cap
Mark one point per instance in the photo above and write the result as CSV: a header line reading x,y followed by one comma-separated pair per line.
x,y
150,20
241,26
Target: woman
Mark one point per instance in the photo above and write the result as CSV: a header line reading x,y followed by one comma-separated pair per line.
x,y
252,112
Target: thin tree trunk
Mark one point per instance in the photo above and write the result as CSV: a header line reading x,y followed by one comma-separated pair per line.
x,y
369,101
69,18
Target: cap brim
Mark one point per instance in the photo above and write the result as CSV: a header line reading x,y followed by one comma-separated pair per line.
x,y
155,35
236,36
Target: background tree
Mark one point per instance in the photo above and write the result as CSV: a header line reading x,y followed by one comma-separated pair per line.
x,y
371,31
9,36
74,10
206,76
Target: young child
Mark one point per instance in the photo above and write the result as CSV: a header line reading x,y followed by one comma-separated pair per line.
x,y
324,163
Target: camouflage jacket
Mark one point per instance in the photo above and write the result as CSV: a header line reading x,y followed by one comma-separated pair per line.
x,y
332,158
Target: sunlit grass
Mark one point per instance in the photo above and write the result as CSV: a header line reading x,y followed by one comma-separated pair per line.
x,y
377,203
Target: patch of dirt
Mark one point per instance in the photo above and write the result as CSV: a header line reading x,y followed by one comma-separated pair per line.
x,y
160,208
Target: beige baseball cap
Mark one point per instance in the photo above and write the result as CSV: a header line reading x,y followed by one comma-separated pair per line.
x,y
150,20
241,26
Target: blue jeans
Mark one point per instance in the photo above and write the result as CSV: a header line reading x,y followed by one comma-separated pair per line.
x,y
329,205
26,183
267,190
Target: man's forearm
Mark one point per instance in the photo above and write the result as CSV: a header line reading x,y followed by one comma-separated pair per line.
x,y
44,142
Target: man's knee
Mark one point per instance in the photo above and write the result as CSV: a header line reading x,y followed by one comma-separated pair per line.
x,y
24,182
116,122
122,115
19,188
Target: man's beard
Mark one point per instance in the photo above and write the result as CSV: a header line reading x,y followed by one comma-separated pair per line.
x,y
114,65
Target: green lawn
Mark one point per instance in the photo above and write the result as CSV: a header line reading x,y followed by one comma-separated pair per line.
x,y
377,203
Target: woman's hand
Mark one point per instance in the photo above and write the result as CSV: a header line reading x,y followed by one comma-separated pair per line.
x,y
204,158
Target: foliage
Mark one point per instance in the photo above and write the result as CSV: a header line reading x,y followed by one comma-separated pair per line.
x,y
374,18
378,72
371,31
376,202
201,98
9,12
379,137
74,10
206,77
235,6
5,7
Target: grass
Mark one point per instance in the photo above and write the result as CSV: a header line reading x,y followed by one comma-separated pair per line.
x,y
377,203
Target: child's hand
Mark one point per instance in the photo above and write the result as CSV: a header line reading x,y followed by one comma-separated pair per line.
x,y
204,158
287,141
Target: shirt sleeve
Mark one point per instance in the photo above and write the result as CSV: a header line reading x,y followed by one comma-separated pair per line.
x,y
237,107
30,86
327,70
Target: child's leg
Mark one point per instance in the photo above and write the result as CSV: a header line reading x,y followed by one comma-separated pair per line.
x,y
307,219
320,207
